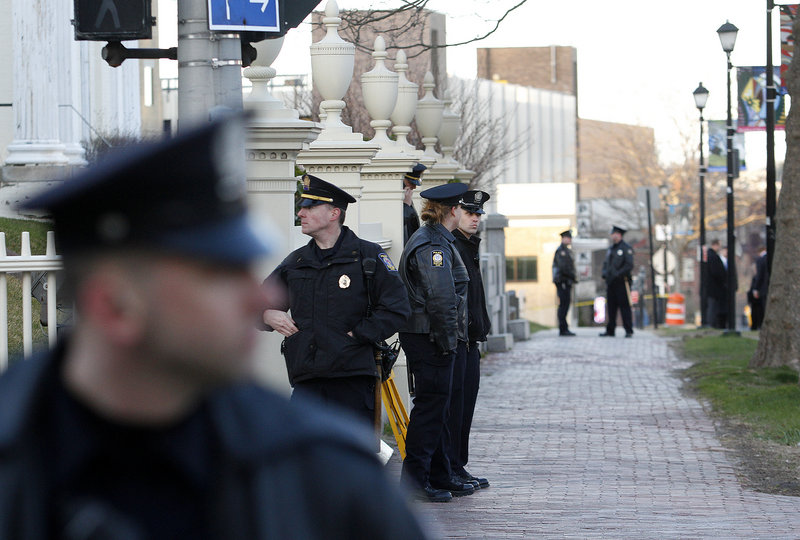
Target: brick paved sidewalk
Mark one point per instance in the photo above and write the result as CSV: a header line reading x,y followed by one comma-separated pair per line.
x,y
591,437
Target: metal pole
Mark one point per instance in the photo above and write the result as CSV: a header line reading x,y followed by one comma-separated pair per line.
x,y
703,268
652,270
771,195
209,66
730,212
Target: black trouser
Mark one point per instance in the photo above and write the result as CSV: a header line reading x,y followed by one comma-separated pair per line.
x,y
618,300
427,438
564,298
353,394
459,444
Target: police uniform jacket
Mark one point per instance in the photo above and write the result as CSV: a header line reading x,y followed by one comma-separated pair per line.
x,y
436,281
328,299
410,221
479,323
564,267
618,263
284,471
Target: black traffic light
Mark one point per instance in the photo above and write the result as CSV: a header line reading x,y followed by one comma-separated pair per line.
x,y
113,20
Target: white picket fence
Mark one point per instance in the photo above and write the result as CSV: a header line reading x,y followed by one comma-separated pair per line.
x,y
26,264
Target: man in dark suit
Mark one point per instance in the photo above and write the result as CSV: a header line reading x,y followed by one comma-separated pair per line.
x,y
717,306
758,290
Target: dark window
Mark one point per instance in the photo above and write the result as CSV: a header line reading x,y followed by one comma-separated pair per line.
x,y
522,269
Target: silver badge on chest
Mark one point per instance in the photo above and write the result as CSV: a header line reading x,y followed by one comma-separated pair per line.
x,y
344,281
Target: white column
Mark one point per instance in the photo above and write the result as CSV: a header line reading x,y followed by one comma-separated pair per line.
x,y
35,49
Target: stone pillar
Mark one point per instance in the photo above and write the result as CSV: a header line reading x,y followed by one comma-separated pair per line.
x,y
275,136
338,154
493,270
35,26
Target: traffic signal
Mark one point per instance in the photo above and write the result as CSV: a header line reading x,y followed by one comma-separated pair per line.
x,y
113,20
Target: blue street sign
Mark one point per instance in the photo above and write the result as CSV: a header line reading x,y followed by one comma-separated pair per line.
x,y
241,15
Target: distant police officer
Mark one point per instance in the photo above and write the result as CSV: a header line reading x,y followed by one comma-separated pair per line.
x,y
436,280
411,181
329,335
564,276
466,371
617,268
144,422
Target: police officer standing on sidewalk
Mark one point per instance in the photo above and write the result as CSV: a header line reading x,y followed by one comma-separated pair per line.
x,y
436,281
617,268
411,181
564,276
467,370
329,334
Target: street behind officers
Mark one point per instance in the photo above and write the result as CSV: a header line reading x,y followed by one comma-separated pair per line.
x,y
145,422
467,368
564,275
411,181
329,335
617,268
436,281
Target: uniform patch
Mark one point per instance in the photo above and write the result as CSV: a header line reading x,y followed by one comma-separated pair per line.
x,y
344,281
437,258
619,252
387,262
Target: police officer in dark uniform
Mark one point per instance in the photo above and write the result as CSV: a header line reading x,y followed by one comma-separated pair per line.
x,y
467,371
330,334
617,268
564,275
411,181
436,281
144,422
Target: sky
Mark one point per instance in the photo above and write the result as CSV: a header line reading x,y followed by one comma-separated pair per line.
x,y
638,60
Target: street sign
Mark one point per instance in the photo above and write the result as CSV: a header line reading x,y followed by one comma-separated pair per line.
x,y
244,15
112,20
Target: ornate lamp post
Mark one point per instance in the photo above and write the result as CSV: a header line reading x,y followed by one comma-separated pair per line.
x,y
700,98
727,37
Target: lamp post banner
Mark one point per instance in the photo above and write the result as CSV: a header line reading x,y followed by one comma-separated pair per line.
x,y
752,99
788,13
717,147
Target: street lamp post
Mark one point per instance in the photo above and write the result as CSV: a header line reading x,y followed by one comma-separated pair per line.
x,y
664,192
727,37
700,98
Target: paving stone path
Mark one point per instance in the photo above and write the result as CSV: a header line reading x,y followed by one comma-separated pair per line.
x,y
591,437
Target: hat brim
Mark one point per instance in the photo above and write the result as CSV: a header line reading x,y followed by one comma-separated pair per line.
x,y
414,181
473,209
234,241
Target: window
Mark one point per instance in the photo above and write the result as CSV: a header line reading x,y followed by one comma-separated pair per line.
x,y
522,269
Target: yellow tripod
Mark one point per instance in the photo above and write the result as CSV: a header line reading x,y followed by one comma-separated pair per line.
x,y
396,411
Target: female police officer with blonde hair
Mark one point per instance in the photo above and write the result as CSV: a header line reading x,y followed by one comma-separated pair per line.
x,y
436,280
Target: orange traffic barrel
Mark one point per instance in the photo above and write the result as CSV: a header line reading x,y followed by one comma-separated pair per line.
x,y
676,309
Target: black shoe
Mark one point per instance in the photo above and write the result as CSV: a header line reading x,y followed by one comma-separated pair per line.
x,y
628,334
566,333
464,480
606,334
431,494
482,482
458,489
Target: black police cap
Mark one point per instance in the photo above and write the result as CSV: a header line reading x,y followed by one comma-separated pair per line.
x,y
446,194
615,229
414,175
318,191
473,201
185,195
567,233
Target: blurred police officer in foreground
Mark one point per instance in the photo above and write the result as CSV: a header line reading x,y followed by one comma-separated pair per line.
x,y
617,268
329,335
467,371
411,181
144,422
436,280
564,276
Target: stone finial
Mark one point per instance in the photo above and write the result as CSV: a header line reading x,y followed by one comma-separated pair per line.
x,y
379,90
